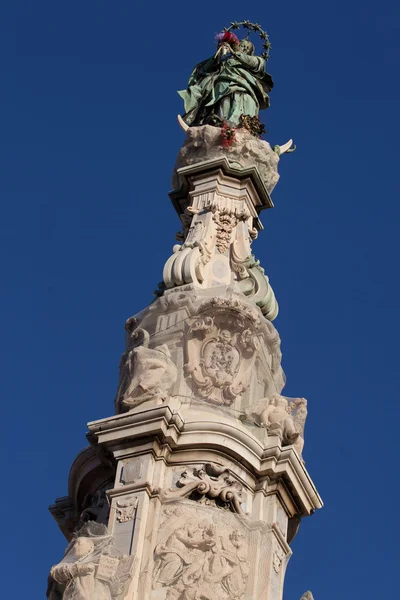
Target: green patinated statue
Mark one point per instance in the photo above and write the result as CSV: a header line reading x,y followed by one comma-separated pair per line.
x,y
228,85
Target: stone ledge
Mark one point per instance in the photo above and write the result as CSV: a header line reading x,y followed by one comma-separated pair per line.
x,y
202,436
205,142
179,195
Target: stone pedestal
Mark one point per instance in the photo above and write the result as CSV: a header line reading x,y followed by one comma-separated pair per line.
x,y
197,495
199,474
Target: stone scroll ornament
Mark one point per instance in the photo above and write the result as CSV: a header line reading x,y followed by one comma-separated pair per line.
x,y
92,568
209,484
221,349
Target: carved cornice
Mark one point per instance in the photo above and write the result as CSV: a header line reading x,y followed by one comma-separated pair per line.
x,y
252,173
225,437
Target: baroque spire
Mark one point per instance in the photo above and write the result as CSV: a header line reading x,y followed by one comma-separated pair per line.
x,y
196,486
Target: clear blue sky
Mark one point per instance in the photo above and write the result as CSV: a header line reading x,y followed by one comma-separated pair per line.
x,y
88,140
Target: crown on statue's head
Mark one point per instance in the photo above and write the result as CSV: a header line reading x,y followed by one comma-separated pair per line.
x,y
229,37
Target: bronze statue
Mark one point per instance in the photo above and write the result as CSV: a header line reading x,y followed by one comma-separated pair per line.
x,y
231,85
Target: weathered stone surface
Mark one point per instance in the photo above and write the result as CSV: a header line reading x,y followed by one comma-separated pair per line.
x,y
195,519
205,552
90,477
281,416
204,143
198,476
220,220
92,567
218,350
149,373
307,596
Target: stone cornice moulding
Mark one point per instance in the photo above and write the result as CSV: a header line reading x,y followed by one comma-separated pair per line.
x,y
261,199
281,538
224,437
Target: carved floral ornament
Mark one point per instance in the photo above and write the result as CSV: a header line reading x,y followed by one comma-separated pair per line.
x,y
226,217
221,349
224,223
278,558
126,509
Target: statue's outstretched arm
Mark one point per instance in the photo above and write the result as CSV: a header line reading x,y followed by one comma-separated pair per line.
x,y
202,69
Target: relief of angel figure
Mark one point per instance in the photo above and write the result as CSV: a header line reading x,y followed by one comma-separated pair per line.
x,y
180,549
201,560
228,568
92,567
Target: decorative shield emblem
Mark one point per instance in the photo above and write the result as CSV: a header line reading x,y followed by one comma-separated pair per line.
x,y
221,349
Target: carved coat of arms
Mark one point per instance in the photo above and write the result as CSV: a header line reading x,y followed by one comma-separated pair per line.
x,y
221,351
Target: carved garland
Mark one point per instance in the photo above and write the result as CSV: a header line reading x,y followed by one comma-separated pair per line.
x,y
224,224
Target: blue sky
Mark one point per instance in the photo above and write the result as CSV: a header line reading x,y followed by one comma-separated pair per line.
x,y
88,141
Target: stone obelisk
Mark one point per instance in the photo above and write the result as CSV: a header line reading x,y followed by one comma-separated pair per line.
x,y
195,487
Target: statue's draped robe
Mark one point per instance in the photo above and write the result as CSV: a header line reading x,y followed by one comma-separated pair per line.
x,y
76,587
227,88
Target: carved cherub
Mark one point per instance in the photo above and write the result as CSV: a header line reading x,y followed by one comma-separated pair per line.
x,y
276,417
286,419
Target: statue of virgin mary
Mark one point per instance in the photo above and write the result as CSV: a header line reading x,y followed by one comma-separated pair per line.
x,y
228,85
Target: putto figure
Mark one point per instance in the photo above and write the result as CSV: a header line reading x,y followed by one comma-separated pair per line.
x,y
286,419
230,87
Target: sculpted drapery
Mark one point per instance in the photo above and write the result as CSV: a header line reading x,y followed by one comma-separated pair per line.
x,y
224,87
202,560
92,567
